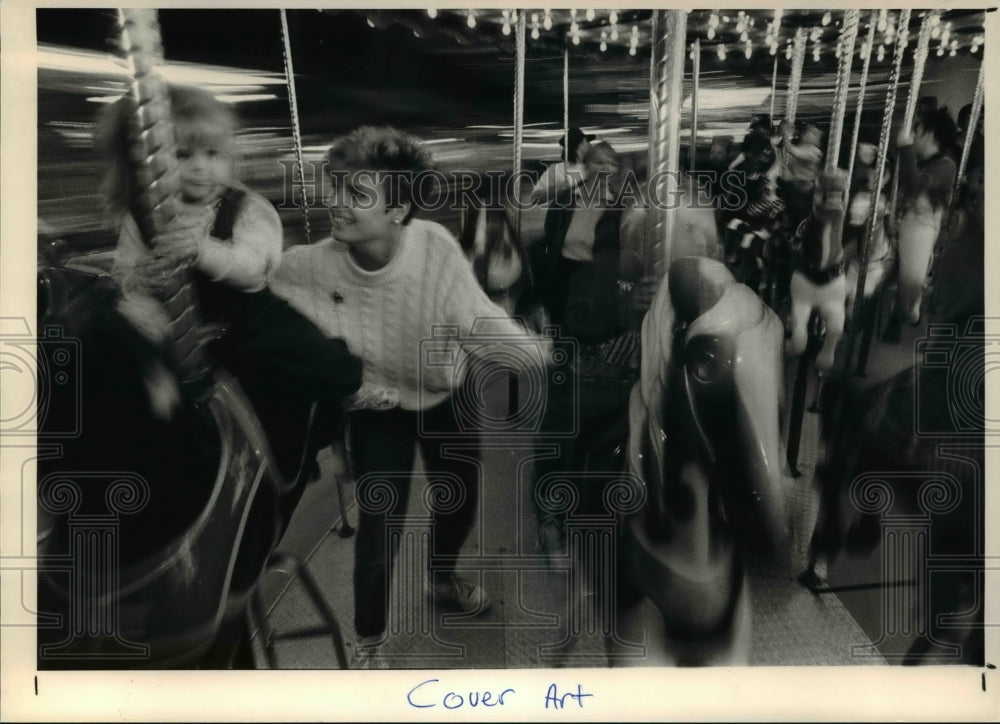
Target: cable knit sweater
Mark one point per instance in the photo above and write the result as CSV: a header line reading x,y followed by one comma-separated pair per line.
x,y
388,316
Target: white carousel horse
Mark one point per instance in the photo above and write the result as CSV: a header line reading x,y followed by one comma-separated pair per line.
x,y
881,257
704,439
818,280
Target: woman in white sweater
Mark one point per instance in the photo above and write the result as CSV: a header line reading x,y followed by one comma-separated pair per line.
x,y
401,293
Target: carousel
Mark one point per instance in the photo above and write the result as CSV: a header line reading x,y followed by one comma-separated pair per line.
x,y
778,460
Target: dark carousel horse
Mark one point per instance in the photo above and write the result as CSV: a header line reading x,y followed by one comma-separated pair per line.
x,y
157,511
913,446
704,442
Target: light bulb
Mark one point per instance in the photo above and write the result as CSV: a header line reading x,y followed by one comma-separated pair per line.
x,y
710,33
940,52
635,30
432,13
748,52
953,53
547,24
576,40
535,34
974,48
883,18
505,29
590,14
471,22
827,18
721,52
631,51
604,46
788,53
935,32
614,33
744,36
774,49
370,23
725,18
881,53
613,18
574,28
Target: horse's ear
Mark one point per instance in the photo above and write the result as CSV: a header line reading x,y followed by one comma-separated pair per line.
x,y
696,285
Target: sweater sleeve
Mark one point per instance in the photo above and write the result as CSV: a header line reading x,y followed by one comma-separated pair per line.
x,y
474,313
255,250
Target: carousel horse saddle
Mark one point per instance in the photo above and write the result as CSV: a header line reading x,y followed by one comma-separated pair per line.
x,y
143,565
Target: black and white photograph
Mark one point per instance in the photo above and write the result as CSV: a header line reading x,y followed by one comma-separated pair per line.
x,y
675,320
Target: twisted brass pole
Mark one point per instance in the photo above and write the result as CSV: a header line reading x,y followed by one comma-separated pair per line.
x,y
666,76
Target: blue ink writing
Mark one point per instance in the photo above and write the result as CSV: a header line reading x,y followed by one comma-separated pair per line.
x,y
558,701
427,698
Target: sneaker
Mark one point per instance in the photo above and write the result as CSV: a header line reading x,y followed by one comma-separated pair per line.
x,y
368,653
459,594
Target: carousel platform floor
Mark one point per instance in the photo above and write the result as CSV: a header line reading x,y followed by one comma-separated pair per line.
x,y
528,623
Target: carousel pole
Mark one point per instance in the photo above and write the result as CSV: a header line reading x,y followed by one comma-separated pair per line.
x,y
866,61
774,88
866,324
695,80
565,85
775,33
805,359
519,40
864,254
151,137
970,132
846,42
666,69
916,78
293,105
795,77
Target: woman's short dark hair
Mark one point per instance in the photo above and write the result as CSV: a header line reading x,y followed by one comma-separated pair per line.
x,y
384,150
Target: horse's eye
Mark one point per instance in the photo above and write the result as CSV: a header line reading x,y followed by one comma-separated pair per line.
x,y
707,359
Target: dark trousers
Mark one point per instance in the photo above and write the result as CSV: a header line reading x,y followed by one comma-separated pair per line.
x,y
382,455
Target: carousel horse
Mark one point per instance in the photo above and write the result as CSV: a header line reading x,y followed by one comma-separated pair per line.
x,y
818,281
881,259
152,484
902,425
704,440
492,247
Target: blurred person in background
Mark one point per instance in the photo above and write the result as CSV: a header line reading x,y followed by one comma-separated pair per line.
x,y
568,172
